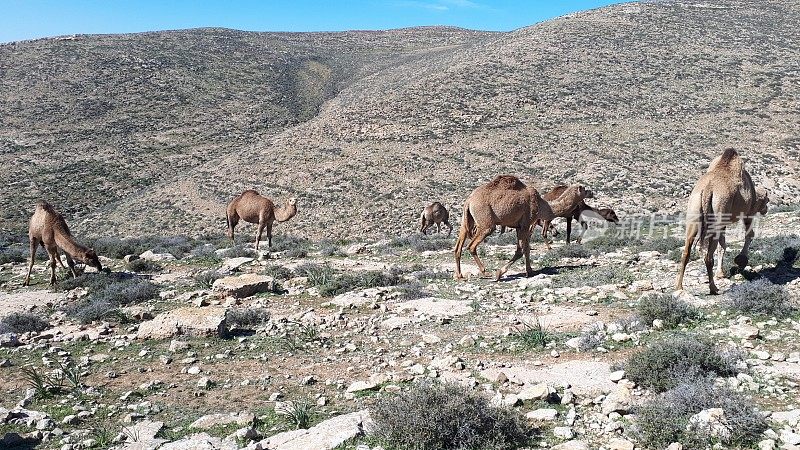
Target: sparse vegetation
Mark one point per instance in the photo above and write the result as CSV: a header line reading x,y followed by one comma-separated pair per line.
x,y
782,250
23,323
533,335
676,358
670,310
143,266
298,413
594,276
247,318
420,243
760,297
206,278
439,416
666,418
106,294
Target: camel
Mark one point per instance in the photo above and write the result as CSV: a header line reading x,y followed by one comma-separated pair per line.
x,y
559,204
253,208
48,229
504,201
577,214
723,196
437,214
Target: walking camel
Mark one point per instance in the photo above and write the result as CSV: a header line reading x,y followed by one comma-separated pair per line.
x,y
504,201
437,214
577,214
723,196
48,229
560,204
254,208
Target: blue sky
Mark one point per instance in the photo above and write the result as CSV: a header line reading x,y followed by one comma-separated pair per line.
x,y
29,19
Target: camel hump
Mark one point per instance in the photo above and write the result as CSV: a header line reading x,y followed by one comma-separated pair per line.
x,y
729,160
507,182
47,207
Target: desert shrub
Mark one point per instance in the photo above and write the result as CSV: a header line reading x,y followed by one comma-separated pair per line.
x,y
671,310
23,322
278,272
238,251
421,243
430,275
507,238
299,413
533,334
112,247
760,297
247,318
565,251
438,416
296,252
611,241
14,248
328,249
107,294
666,418
143,265
317,274
594,276
775,250
678,357
345,282
666,245
177,246
206,279
412,290
591,338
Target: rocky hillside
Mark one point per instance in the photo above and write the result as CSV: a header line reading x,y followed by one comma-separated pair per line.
x,y
632,100
87,121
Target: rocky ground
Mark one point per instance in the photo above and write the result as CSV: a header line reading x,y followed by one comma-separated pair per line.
x,y
289,349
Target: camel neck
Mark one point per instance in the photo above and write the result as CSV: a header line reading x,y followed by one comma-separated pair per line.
x,y
68,244
564,204
285,212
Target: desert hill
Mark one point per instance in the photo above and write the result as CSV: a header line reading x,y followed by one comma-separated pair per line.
x,y
632,100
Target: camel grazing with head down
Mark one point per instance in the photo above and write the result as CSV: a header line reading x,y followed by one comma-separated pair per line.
x,y
435,214
253,208
559,204
723,196
48,229
578,213
504,201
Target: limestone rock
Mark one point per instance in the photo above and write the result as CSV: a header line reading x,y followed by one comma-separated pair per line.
x,y
151,256
324,436
242,419
712,421
245,285
542,415
571,445
209,321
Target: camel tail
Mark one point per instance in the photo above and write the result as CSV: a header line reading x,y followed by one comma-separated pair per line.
x,y
468,222
706,214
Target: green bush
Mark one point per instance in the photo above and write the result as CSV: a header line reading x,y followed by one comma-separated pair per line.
x,y
666,418
611,242
239,251
672,311
533,335
106,294
775,250
247,318
760,297
439,416
207,278
143,266
679,357
278,272
23,322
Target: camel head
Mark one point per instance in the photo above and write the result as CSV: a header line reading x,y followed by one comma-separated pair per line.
x,y
762,201
585,193
608,214
291,201
90,259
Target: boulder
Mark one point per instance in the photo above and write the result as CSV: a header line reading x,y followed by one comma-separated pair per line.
x,y
150,256
245,285
200,441
540,391
242,419
542,415
209,321
326,435
743,331
230,265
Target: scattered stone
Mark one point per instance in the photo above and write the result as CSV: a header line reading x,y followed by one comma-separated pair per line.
x,y
713,421
326,435
542,415
744,331
9,340
620,444
571,445
242,419
563,432
230,265
150,256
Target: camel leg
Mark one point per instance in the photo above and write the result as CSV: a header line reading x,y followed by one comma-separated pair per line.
x,y
743,258
584,228
691,233
545,227
523,248
569,230
473,248
52,251
462,237
269,235
720,273
233,220
449,228
438,227
71,264
34,246
709,260
260,230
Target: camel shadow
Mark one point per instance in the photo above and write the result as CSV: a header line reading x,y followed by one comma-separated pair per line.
x,y
784,271
550,270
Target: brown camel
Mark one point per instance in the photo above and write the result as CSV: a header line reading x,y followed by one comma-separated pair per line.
x,y
437,214
578,213
562,204
253,208
723,196
48,229
504,201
